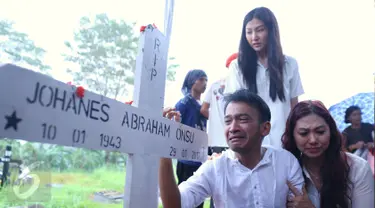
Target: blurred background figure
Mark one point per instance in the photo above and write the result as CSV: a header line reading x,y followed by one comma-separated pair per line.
x,y
359,136
189,106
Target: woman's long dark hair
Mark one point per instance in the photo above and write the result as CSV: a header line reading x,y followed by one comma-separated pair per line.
x,y
248,59
335,169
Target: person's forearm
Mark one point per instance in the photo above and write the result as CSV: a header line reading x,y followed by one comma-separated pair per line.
x,y
352,147
205,113
169,192
293,102
205,109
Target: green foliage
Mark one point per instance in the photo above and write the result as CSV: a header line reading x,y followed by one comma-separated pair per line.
x,y
171,69
78,187
59,158
16,47
104,52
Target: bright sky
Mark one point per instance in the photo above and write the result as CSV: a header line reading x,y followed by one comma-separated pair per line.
x,y
333,41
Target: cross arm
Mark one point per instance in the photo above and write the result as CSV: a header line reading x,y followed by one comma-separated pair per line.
x,y
46,110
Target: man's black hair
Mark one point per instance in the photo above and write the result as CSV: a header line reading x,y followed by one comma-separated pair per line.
x,y
253,100
349,111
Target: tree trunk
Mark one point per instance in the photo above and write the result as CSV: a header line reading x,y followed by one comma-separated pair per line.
x,y
106,158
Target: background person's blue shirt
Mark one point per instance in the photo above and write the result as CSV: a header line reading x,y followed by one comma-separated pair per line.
x,y
191,116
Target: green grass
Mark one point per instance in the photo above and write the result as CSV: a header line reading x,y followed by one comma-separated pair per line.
x,y
77,189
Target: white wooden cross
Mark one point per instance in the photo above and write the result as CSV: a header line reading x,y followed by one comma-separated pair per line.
x,y
37,108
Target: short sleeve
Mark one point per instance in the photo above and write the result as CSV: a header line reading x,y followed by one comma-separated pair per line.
x,y
295,174
345,132
233,81
345,138
370,128
181,106
296,87
363,184
208,97
198,187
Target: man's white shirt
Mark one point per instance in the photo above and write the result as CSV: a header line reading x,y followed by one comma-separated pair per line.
x,y
232,185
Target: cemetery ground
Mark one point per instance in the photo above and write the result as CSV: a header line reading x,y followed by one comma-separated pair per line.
x,y
76,188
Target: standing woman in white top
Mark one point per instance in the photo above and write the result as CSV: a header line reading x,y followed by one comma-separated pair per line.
x,y
333,178
264,69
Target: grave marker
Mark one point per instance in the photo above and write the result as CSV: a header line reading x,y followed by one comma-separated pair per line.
x,y
41,109
37,108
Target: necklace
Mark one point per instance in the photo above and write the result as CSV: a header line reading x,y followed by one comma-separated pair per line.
x,y
313,175
315,179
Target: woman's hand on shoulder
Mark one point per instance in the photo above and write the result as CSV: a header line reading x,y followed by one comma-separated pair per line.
x,y
300,200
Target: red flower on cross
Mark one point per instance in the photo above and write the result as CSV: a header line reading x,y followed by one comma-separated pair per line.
x,y
143,28
129,102
80,91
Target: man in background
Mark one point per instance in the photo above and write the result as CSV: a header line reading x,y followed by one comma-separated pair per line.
x,y
213,110
194,85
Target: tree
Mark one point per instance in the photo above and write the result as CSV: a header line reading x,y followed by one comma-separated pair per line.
x,y
105,51
17,47
104,54
171,69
